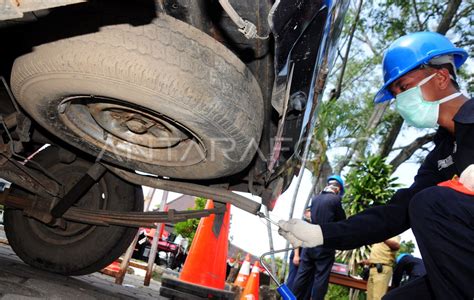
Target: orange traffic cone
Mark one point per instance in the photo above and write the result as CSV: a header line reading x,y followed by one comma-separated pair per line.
x,y
206,262
251,289
244,273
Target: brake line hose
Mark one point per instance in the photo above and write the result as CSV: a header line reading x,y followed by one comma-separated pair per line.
x,y
247,28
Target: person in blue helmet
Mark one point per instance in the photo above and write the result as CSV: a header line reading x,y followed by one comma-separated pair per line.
x,y
312,278
408,268
420,74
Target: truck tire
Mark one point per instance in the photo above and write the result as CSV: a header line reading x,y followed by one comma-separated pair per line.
x,y
79,249
162,98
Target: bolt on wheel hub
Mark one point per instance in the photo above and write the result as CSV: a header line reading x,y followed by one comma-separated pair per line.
x,y
131,131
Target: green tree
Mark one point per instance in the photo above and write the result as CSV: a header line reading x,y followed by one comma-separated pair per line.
x,y
188,228
369,184
337,292
407,247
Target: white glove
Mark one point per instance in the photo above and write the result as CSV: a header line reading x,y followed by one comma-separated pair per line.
x,y
301,233
467,177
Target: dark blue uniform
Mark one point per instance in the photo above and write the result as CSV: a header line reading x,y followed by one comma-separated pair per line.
x,y
410,266
293,270
441,218
316,263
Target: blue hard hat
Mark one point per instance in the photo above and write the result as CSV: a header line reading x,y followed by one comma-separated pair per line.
x,y
402,255
411,51
339,180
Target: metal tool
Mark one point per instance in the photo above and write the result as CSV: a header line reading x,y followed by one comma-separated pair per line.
x,y
262,215
282,289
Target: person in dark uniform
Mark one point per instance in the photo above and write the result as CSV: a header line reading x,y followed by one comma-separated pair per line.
x,y
293,267
295,256
408,268
420,72
312,278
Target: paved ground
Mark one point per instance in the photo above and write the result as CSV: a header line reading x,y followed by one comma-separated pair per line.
x,y
20,281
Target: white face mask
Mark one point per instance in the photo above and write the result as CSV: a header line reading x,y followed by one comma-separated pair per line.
x,y
332,189
418,112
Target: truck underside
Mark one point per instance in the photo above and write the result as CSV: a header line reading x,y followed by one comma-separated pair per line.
x,y
106,96
60,198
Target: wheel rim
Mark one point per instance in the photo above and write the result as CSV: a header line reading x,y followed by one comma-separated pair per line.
x,y
95,198
131,131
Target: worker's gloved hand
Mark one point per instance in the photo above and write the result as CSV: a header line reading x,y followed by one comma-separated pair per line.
x,y
467,177
290,238
301,233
